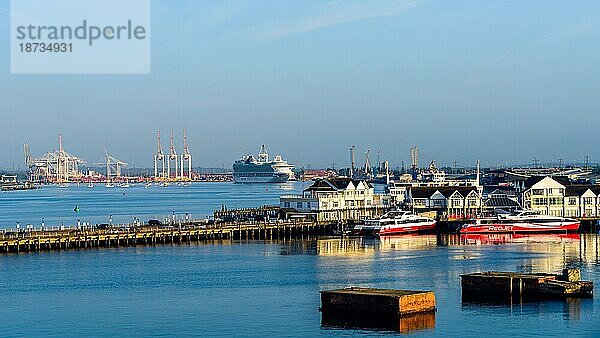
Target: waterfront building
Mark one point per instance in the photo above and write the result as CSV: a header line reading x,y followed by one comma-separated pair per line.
x,y
557,196
400,190
446,201
500,198
336,199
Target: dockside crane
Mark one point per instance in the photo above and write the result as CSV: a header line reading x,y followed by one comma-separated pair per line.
x,y
173,157
113,165
159,157
54,166
32,170
186,157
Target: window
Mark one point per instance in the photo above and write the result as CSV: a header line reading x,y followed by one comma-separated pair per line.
x,y
572,200
537,191
588,200
556,200
420,202
286,204
298,204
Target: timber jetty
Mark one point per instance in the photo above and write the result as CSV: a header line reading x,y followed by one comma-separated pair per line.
x,y
35,240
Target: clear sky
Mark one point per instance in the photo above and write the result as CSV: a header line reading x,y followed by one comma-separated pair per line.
x,y
501,81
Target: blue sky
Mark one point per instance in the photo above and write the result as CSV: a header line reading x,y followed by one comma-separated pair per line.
x,y
501,81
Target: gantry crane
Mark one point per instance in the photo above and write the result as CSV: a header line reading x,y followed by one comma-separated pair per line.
x,y
172,158
159,157
113,165
186,156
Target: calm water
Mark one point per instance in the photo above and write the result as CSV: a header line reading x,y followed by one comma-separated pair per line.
x,y
57,205
264,289
272,289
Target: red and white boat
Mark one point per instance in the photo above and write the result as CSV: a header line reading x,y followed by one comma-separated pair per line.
x,y
521,222
395,222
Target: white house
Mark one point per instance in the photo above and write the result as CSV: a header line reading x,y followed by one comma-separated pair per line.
x,y
453,202
556,196
336,199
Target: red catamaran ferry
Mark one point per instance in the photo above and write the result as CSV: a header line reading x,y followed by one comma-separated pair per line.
x,y
395,222
521,222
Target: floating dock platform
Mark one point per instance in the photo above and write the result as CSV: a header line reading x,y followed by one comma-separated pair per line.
x,y
496,284
377,301
382,309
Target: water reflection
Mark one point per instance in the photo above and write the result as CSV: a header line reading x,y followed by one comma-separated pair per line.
x,y
404,324
570,249
568,308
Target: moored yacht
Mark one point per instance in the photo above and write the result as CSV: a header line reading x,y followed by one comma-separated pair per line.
x,y
521,222
395,222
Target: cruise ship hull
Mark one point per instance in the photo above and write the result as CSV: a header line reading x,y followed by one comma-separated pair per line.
x,y
521,227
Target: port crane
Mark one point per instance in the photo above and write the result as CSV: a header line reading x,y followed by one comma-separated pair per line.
x,y
172,158
159,158
113,165
186,157
54,166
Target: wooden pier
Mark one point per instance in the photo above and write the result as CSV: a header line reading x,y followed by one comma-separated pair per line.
x,y
74,238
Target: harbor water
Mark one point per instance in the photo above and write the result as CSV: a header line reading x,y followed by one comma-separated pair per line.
x,y
258,288
96,205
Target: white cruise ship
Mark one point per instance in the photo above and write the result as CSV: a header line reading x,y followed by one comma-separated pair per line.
x,y
262,170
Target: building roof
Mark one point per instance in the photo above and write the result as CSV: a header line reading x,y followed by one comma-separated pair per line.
x,y
500,202
499,189
334,184
321,185
427,192
564,180
577,190
533,180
